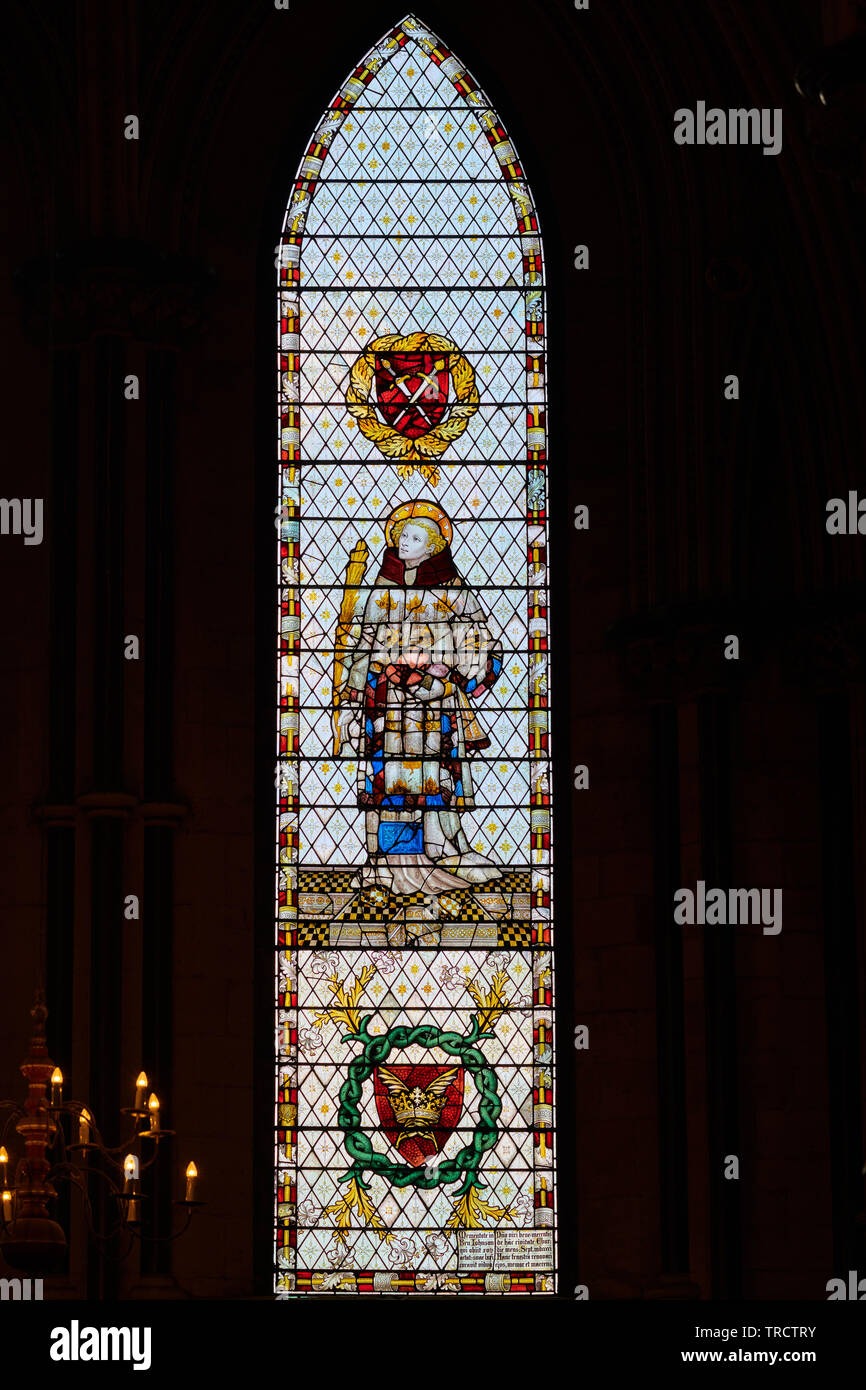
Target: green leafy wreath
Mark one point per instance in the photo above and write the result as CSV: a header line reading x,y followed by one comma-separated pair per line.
x,y
376,1049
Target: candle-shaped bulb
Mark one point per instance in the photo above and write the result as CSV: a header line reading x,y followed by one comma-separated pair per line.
x,y
4,1159
7,1204
140,1088
56,1086
130,1186
191,1175
153,1107
85,1119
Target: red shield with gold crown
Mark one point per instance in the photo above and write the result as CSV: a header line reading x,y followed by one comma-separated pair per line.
x,y
419,1107
412,390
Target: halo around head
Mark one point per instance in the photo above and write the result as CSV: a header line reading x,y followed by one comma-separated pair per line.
x,y
428,510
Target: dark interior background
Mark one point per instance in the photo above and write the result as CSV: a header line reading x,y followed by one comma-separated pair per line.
x,y
706,518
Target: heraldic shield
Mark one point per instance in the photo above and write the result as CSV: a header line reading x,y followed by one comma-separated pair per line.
x,y
412,390
419,1107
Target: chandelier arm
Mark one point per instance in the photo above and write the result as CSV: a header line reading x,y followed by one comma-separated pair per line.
x,y
120,1148
69,1173
66,1169
97,1140
103,1240
74,1107
77,1108
77,1177
107,1254
95,1173
103,1237
143,1167
109,1155
58,1142
81,1184
165,1240
16,1112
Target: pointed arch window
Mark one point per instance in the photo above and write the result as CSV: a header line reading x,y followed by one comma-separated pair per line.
x,y
414,1146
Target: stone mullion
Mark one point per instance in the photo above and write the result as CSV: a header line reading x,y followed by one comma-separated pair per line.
x,y
670,1039
161,815
841,973
106,802
57,812
720,1000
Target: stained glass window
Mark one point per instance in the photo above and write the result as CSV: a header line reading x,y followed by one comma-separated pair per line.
x,y
415,1074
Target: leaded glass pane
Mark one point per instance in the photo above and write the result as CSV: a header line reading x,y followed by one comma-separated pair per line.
x,y
415,1070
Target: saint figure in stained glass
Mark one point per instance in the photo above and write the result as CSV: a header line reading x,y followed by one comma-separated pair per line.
x,y
414,650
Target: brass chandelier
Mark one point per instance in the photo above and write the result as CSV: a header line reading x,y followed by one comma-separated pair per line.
x,y
62,1144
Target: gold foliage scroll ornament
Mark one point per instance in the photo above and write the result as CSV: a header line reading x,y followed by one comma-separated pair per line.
x,y
420,452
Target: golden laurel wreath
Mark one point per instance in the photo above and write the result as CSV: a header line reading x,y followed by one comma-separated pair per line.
x,y
419,452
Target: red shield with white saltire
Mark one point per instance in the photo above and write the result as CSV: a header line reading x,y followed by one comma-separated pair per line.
x,y
418,1107
412,390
